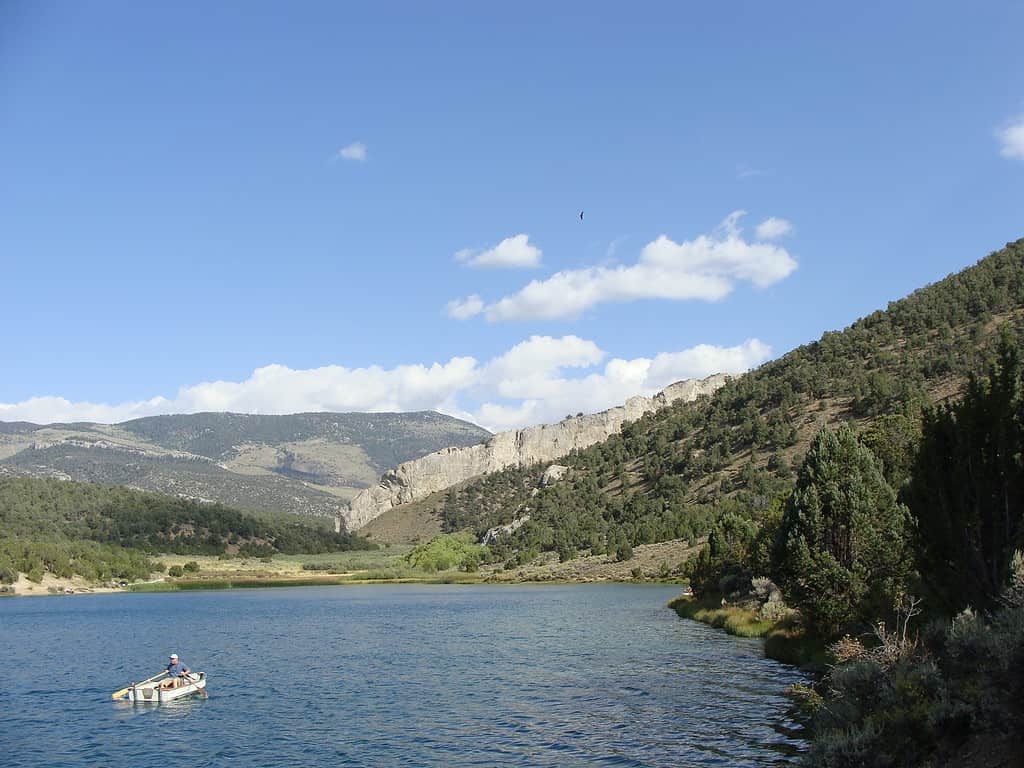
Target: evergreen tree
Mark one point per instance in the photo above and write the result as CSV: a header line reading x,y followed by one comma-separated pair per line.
x,y
967,487
621,547
893,439
840,554
726,554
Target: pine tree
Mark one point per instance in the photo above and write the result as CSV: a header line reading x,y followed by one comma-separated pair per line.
x,y
840,554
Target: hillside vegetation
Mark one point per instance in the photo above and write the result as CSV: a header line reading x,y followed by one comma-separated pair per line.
x,y
69,528
920,592
675,472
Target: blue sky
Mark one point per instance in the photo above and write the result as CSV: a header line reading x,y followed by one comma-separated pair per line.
x,y
180,230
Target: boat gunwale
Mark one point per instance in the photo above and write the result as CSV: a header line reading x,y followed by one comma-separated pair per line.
x,y
162,695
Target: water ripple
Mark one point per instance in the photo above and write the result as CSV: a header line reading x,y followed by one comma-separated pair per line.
x,y
454,676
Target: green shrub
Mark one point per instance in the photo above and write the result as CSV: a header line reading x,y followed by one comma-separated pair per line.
x,y
445,552
318,566
8,573
175,571
623,551
191,567
255,550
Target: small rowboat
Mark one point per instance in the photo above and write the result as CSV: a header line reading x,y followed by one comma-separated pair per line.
x,y
152,691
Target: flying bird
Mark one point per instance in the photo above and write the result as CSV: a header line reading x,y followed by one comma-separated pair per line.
x,y
581,215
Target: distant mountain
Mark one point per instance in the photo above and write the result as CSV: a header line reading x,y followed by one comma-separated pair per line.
x,y
308,463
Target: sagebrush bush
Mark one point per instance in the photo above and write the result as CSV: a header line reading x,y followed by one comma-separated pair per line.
x,y
901,702
762,587
774,610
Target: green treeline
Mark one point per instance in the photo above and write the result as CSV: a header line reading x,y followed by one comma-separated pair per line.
x,y
99,532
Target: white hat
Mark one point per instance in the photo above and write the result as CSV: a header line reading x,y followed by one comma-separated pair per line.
x,y
174,655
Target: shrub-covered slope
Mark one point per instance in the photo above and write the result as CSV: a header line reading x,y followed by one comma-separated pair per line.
x,y
96,531
673,472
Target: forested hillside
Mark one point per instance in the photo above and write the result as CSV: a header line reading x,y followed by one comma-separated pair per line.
x,y
673,473
104,532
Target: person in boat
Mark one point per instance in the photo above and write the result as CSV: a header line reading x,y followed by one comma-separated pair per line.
x,y
177,672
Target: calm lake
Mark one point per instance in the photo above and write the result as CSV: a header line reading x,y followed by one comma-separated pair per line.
x,y
389,676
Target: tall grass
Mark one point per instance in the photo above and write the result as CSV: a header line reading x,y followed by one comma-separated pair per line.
x,y
785,640
734,620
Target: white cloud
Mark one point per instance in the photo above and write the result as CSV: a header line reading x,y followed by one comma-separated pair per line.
x,y
526,370
515,251
536,388
279,389
542,354
538,380
707,268
354,151
1011,137
705,359
55,410
773,227
461,309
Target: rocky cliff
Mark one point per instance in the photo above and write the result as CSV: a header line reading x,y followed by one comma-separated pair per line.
x,y
442,469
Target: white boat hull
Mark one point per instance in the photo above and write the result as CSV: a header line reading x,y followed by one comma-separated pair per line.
x,y
153,693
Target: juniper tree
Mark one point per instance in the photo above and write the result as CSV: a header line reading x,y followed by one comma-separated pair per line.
x,y
840,555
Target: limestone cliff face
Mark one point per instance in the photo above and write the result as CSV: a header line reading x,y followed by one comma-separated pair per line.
x,y
434,472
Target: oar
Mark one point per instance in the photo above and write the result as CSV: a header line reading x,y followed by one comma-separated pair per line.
x,y
123,691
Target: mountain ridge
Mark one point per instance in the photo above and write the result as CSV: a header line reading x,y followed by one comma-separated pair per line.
x,y
308,463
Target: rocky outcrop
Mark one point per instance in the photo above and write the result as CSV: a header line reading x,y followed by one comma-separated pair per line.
x,y
437,471
497,532
553,474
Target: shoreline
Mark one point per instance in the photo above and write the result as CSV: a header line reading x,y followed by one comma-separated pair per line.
x,y
651,563
273,581
785,641
52,586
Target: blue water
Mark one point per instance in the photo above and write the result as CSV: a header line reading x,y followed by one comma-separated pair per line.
x,y
389,676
